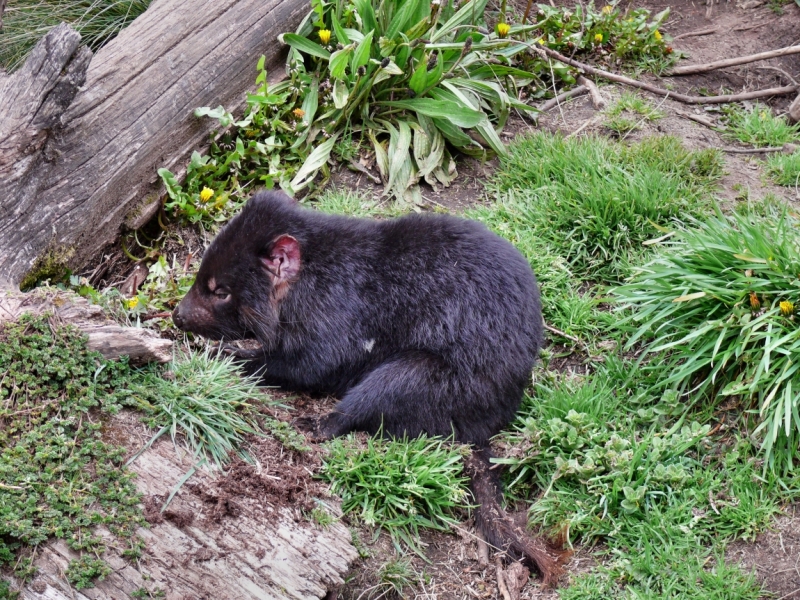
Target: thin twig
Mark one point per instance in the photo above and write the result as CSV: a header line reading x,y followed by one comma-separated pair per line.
x,y
590,121
597,98
751,150
697,119
483,552
501,582
730,62
563,334
695,33
362,169
779,70
782,91
553,102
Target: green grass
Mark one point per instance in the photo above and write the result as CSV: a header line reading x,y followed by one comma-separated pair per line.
x,y
759,127
719,299
784,169
628,112
399,485
98,21
594,202
206,401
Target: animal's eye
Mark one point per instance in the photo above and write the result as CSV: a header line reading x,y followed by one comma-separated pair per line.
x,y
222,293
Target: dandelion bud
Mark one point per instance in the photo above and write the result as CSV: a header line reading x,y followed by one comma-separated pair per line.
x,y
657,35
598,38
607,9
325,36
502,29
787,308
385,63
299,113
668,50
755,303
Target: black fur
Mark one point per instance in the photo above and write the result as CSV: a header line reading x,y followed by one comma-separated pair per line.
x,y
426,323
421,324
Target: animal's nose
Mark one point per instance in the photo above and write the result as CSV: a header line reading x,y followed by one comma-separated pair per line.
x,y
176,317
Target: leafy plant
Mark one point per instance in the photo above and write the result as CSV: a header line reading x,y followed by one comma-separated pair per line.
x,y
784,169
759,126
84,571
58,477
720,299
205,398
398,485
98,21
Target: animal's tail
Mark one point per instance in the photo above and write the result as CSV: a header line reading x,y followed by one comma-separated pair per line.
x,y
498,529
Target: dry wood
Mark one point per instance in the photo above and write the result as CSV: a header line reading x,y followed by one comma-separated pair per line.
x,y
730,62
794,110
783,149
553,102
781,91
697,119
597,98
106,337
501,582
2,10
695,33
256,555
80,141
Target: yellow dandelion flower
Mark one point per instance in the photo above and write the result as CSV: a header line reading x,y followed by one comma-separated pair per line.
x,y
657,35
503,29
133,302
206,193
598,38
299,113
607,9
541,41
787,308
324,35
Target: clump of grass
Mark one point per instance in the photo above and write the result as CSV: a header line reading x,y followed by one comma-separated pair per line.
x,y
58,477
98,21
784,169
626,114
398,485
655,488
207,400
759,126
720,300
594,202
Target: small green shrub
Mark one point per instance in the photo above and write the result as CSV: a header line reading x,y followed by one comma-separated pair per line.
x,y
398,485
58,477
84,571
759,126
784,169
720,299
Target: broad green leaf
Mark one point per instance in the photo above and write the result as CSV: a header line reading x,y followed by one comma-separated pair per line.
x,y
354,35
310,102
399,145
458,115
341,36
428,147
338,62
367,15
362,52
304,45
401,17
313,163
340,93
381,158
486,129
467,13
418,79
260,65
688,297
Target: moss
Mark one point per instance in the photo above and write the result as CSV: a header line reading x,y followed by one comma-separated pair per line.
x,y
51,264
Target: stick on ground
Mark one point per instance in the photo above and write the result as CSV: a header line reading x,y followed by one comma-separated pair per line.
x,y
597,98
781,91
730,62
553,102
695,33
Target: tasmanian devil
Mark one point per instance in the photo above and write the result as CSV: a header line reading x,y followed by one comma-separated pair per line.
x,y
420,324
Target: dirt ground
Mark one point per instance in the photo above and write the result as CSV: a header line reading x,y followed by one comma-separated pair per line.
x,y
453,570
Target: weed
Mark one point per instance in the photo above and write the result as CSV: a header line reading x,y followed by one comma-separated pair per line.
x,y
59,478
596,202
720,298
627,105
6,593
25,21
84,571
287,435
322,517
759,126
396,575
784,169
205,399
143,592
399,485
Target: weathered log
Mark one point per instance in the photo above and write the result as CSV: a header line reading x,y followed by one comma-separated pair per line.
x,y
794,110
252,556
81,138
106,337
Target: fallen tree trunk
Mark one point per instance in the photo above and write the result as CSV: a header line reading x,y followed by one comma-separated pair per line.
x,y
81,137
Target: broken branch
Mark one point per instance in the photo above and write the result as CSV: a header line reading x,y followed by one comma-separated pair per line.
x,y
597,98
781,91
730,62
695,33
553,102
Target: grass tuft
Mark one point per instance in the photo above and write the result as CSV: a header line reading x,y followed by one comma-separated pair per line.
x,y
784,169
720,299
759,127
628,112
398,485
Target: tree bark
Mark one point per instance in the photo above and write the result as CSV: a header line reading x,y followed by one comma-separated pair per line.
x,y
81,137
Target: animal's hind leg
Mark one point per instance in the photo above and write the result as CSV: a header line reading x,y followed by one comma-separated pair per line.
x,y
411,393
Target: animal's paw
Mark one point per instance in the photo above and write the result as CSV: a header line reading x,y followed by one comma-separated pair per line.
x,y
320,429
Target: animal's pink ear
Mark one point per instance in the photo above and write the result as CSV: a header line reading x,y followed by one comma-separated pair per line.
x,y
283,259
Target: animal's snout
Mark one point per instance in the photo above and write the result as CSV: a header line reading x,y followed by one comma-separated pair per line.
x,y
176,317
